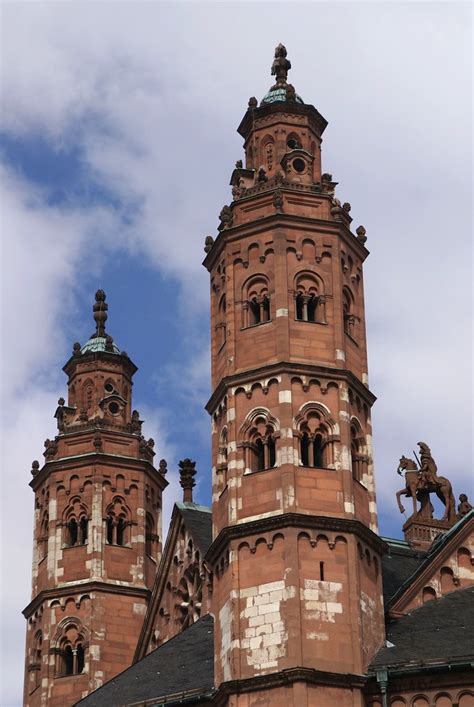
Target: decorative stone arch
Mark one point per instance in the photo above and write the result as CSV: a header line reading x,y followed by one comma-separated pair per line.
x,y
317,432
348,308
151,537
310,298
35,660
75,521
267,152
221,325
293,141
257,436
359,451
255,300
43,534
88,394
222,461
69,644
118,520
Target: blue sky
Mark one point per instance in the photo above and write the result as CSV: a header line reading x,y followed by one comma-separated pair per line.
x,y
118,140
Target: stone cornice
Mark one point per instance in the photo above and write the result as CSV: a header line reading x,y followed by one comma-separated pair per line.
x,y
306,369
91,356
282,220
294,520
83,588
316,120
80,460
286,677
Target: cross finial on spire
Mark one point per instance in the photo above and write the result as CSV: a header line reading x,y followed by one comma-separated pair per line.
x,y
187,471
281,65
100,312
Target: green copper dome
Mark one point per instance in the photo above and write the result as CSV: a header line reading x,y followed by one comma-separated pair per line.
x,y
98,344
278,94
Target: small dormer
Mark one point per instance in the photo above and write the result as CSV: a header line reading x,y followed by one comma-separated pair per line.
x,y
298,166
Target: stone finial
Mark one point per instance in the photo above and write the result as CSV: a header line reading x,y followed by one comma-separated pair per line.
x,y
100,312
35,467
225,217
136,423
239,164
262,175
463,507
281,65
361,237
76,349
208,243
163,467
187,471
253,103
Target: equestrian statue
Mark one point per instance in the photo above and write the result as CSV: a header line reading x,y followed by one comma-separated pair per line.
x,y
421,482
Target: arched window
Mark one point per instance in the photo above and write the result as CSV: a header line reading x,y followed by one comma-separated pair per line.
x,y
359,457
310,302
256,301
118,523
268,152
150,535
222,460
350,319
36,656
221,324
315,430
69,644
76,521
43,536
259,432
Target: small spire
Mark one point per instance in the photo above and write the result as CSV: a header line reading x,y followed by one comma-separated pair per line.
x,y
281,65
187,471
100,313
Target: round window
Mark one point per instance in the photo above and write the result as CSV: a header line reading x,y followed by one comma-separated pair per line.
x,y
109,388
114,408
299,165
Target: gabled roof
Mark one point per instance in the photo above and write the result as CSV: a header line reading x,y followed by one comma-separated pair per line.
x,y
198,522
398,565
440,549
440,631
183,664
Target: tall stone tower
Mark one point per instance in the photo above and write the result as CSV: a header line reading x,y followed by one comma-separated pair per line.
x,y
97,533
297,593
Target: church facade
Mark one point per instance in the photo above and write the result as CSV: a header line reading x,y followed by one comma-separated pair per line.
x,y
283,593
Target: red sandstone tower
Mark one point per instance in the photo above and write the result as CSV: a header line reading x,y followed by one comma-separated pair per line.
x,y
97,534
297,593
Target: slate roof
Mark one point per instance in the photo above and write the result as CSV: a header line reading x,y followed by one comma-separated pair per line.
x,y
440,631
198,520
184,663
398,565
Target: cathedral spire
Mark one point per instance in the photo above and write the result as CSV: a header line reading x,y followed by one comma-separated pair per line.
x,y
100,308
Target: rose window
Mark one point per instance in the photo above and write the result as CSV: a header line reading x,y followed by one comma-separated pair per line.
x,y
189,597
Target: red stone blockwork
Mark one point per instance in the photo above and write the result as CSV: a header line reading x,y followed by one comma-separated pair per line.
x,y
297,598
280,448
77,642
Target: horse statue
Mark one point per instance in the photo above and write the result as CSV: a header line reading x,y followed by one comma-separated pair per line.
x,y
419,483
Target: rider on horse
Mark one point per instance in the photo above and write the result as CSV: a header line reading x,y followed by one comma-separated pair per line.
x,y
428,468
